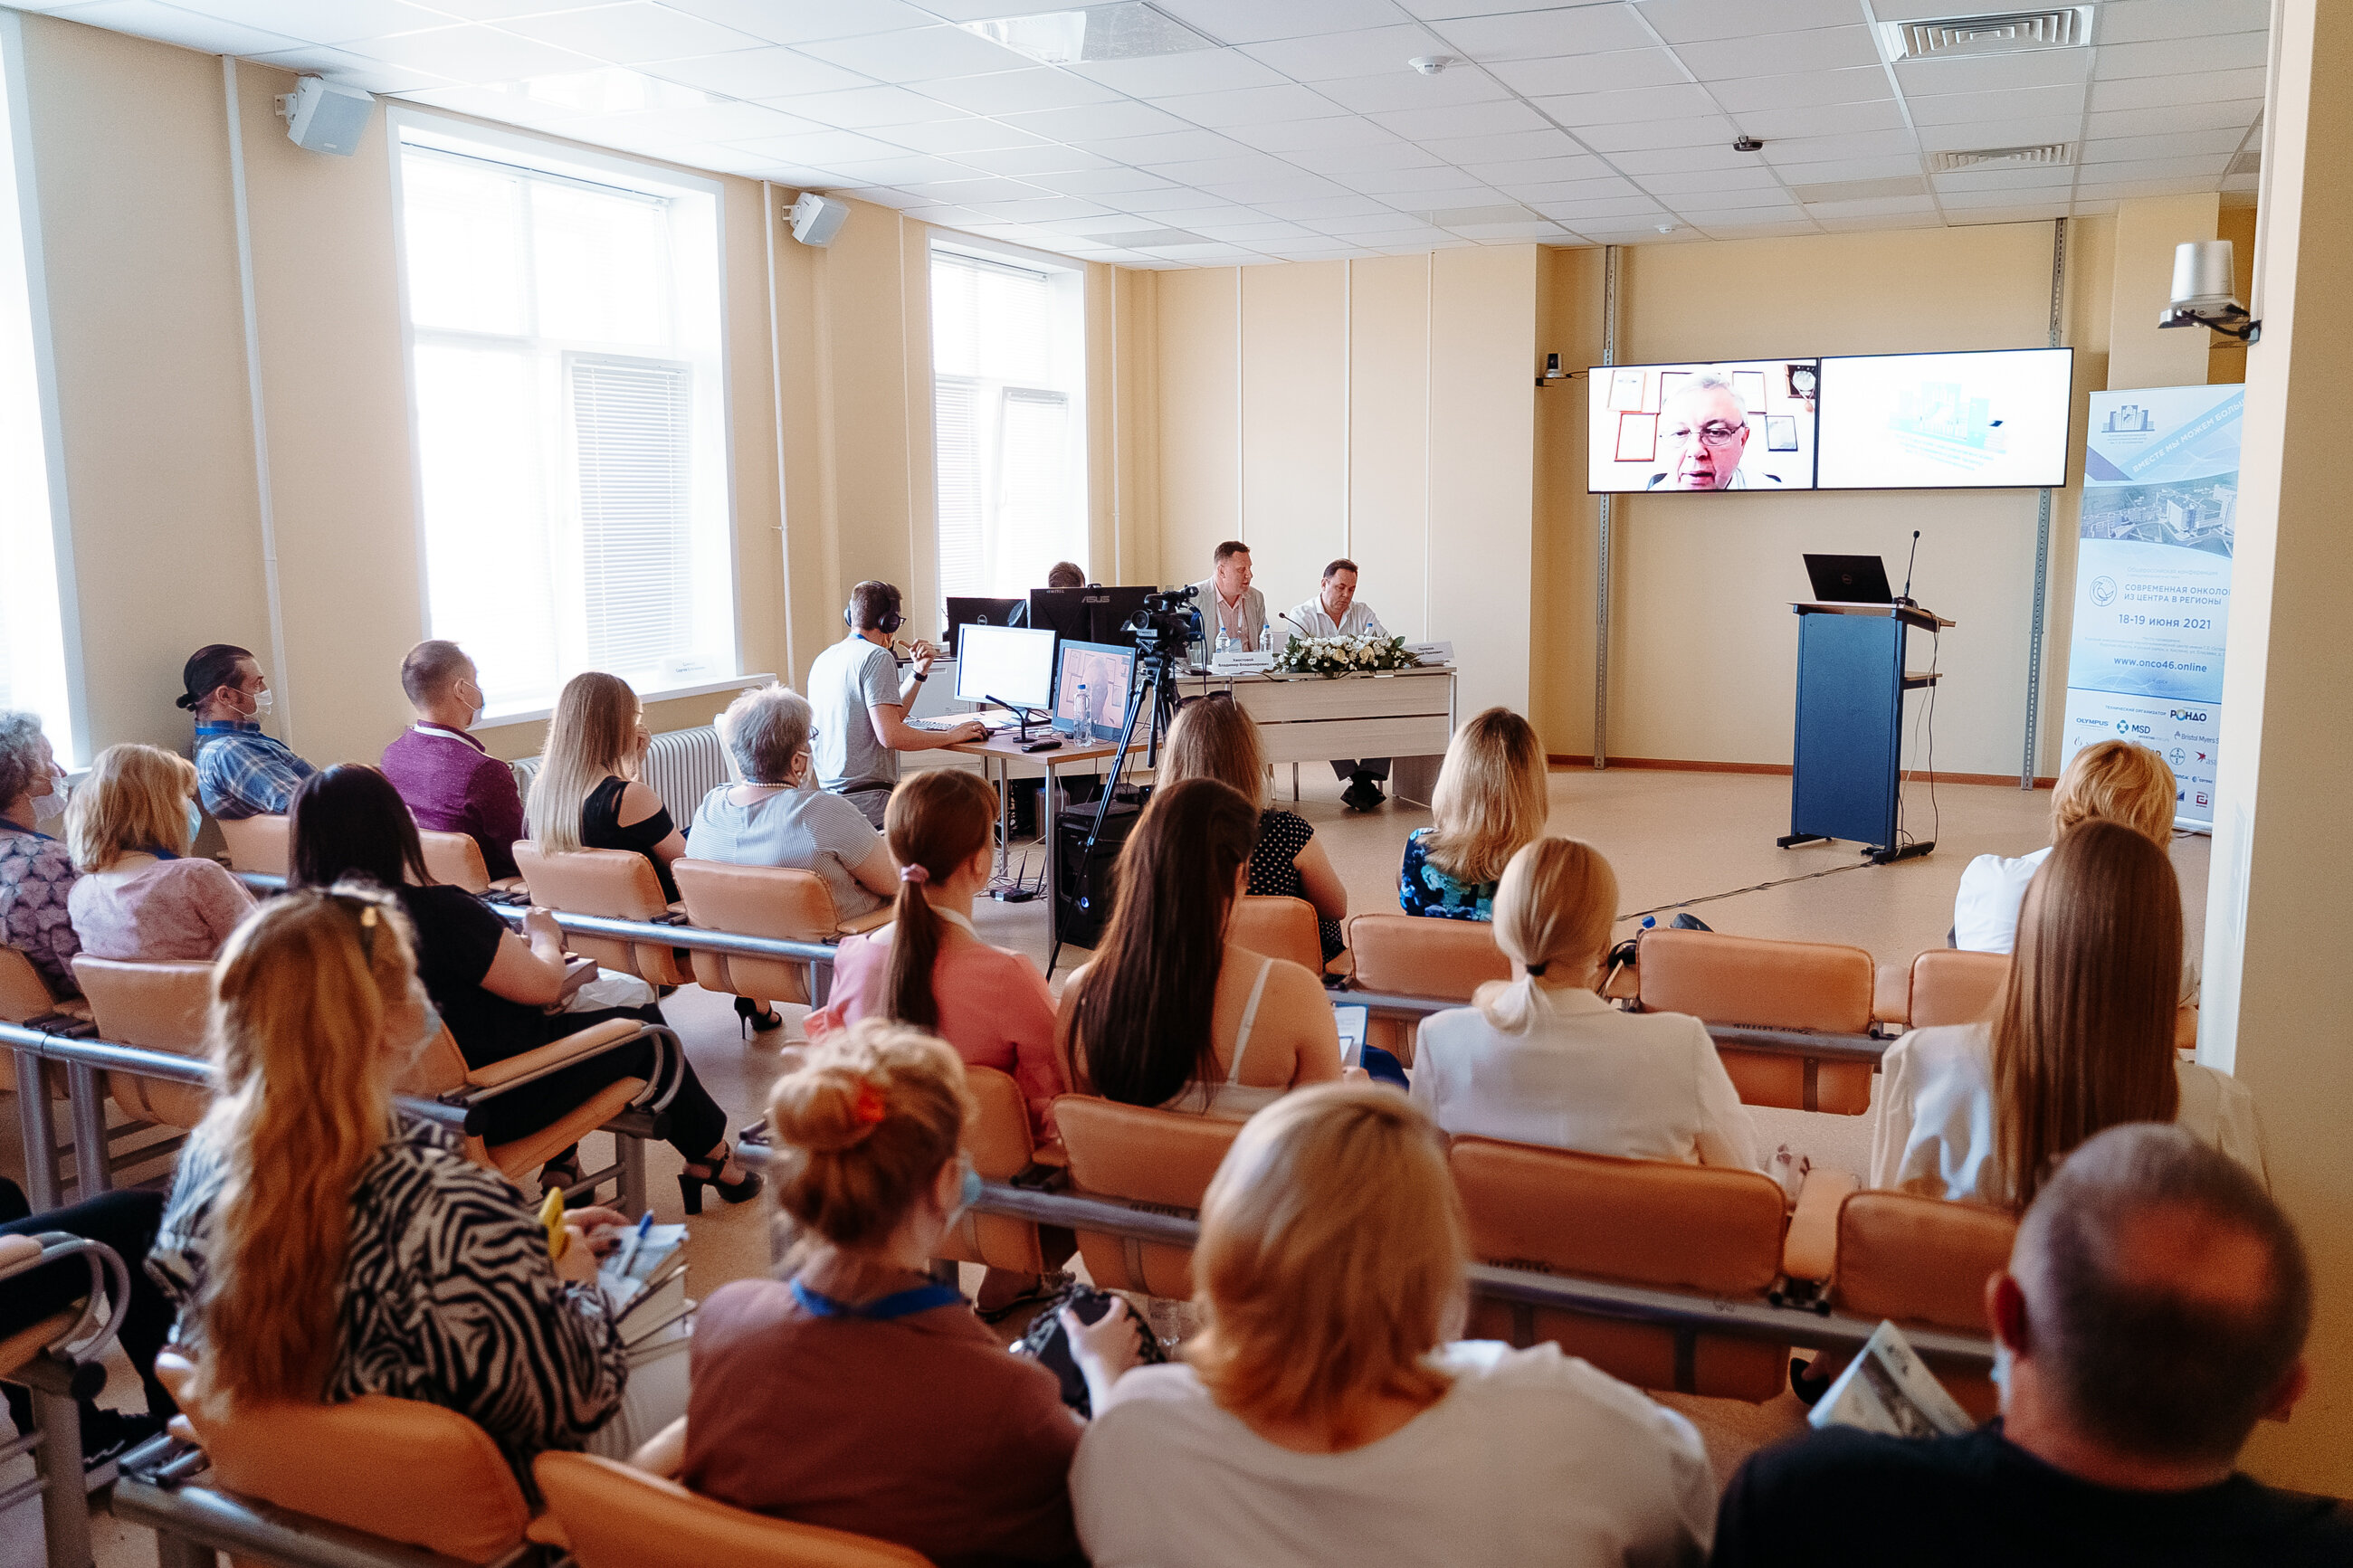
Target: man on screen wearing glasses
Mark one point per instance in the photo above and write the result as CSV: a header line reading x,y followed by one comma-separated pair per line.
x,y
1703,431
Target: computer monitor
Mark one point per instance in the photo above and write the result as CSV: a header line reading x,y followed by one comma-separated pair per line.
x,y
975,612
1006,663
1107,670
1092,613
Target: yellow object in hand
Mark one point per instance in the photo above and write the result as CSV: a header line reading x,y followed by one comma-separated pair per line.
x,y
551,1215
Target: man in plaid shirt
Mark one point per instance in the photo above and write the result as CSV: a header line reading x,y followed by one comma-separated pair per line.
x,y
240,772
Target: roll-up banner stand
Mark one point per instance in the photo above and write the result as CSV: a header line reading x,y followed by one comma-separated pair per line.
x,y
2153,580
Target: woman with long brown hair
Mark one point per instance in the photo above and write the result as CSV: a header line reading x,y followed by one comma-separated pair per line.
x,y
1214,738
587,794
1170,1012
320,1247
1491,798
1330,1415
2081,1040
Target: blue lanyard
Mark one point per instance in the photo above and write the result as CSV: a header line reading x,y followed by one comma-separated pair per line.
x,y
28,831
898,1304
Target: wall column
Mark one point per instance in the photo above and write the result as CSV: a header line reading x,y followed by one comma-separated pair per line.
x,y
2279,993
2140,353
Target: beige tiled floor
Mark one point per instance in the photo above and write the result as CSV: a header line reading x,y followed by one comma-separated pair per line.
x,y
1701,840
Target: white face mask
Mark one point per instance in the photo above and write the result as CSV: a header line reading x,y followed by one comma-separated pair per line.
x,y
263,701
480,707
50,806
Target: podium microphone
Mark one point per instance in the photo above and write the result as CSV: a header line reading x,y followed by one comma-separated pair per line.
x,y
1905,597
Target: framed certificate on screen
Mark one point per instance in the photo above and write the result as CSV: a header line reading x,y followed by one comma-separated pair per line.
x,y
1638,437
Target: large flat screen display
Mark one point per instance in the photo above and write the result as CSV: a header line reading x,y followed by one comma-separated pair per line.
x,y
1745,425
1982,420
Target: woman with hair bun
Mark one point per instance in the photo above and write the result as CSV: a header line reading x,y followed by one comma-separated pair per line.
x,y
857,1394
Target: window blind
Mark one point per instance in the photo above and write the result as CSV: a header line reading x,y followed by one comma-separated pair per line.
x,y
629,421
956,430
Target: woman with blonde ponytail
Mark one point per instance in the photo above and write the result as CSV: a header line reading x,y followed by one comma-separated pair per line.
x,y
318,1248
1544,1060
857,1394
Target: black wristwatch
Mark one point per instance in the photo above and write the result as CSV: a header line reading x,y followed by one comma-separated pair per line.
x,y
922,676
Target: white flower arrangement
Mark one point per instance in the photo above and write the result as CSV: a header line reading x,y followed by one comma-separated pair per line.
x,y
1342,655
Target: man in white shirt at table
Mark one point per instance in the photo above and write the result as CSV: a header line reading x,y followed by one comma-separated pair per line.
x,y
1227,601
1337,612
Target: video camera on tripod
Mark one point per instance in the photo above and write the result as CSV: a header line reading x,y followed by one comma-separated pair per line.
x,y
1166,626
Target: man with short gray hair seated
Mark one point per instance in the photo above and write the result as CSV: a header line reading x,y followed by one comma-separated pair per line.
x,y
2155,1309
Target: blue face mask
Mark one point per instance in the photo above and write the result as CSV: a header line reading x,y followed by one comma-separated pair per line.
x,y
195,823
969,1193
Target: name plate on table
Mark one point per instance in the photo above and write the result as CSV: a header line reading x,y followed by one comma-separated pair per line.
x,y
1244,664
1431,652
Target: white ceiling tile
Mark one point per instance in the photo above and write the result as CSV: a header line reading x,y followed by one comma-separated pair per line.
x,y
2168,57
1823,120
1531,34
1396,154
2000,209
823,149
2005,179
2137,21
1461,119
2181,144
489,102
1254,233
1507,232
1517,146
1106,185
1832,170
965,192
1175,147
1534,171
788,21
2001,103
1597,235
354,70
1608,206
1815,148
1568,190
1389,227
2238,113
490,10
917,54
1290,187
1053,158
1390,181
970,135
769,72
1719,217
2005,133
1988,73
170,25
1248,106
1443,10
1016,91
1879,221
904,169
864,108
733,123
471,52
1317,209
1681,159
1194,208
1405,89
1755,176
2132,190
2206,167
1258,22
1304,135
1780,54
1369,51
1643,135
1719,230
632,32
1094,122
881,196
314,23
1202,70
2159,92
1591,73
1690,21
1042,209
1636,103
1804,90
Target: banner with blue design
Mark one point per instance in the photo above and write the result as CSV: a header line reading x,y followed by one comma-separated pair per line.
x,y
2153,580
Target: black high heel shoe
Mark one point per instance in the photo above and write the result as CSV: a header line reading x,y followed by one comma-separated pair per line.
x,y
756,1022
701,1173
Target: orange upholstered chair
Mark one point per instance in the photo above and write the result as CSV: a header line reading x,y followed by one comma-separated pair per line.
x,y
1279,928
618,884
1923,1262
256,843
1950,986
616,1517
1811,986
157,1007
440,1068
1641,1222
999,1142
762,900
1159,1161
1414,956
456,859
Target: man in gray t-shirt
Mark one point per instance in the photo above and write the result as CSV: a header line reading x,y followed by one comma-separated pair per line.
x,y
860,705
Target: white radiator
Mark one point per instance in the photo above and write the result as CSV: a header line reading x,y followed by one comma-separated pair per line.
x,y
682,767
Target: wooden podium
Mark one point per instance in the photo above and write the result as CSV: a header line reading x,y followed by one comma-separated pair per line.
x,y
1849,758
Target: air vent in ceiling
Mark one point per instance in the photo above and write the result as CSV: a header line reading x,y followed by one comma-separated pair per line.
x,y
1996,33
1861,190
2049,152
1150,240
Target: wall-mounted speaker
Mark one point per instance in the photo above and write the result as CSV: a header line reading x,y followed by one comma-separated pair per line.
x,y
816,219
323,116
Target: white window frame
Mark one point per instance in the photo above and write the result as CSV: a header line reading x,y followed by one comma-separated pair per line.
x,y
1064,274
409,126
74,747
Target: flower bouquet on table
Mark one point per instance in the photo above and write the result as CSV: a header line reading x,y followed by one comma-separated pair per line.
x,y
1342,655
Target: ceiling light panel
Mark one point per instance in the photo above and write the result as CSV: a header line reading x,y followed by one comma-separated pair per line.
x,y
1126,30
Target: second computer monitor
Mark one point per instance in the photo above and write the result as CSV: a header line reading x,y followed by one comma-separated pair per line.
x,y
1006,663
976,612
1093,613
1106,670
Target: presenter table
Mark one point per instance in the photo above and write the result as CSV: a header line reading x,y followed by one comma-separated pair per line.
x,y
1407,715
997,754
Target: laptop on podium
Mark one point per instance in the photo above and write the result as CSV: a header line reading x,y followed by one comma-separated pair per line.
x,y
1849,580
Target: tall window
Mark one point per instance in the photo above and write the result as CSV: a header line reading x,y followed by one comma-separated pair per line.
x,y
32,633
1008,361
564,354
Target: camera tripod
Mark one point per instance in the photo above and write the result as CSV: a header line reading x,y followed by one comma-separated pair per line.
x,y
1153,689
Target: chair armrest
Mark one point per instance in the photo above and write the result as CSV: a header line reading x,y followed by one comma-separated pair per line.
x,y
500,1076
1809,1251
2185,1027
1891,993
508,885
871,920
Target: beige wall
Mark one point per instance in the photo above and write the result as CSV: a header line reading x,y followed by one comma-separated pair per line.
x,y
1379,409
2141,352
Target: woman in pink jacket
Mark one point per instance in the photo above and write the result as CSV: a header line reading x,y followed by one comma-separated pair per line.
x,y
929,967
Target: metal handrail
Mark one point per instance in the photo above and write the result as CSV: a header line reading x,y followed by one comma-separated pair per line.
x,y
109,1055
56,1369
1775,1042
1791,1325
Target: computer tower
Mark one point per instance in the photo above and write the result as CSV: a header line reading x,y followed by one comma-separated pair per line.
x,y
1083,876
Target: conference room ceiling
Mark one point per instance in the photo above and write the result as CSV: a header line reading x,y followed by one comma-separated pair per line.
x,y
1296,128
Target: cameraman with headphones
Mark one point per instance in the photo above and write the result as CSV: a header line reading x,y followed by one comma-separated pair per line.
x,y
861,707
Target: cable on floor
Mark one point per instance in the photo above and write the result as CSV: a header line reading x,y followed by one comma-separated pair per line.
x,y
1736,892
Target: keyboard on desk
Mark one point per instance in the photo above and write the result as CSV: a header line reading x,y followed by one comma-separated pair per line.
x,y
942,724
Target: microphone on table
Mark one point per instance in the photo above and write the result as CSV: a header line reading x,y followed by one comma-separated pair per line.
x,y
1905,597
1303,631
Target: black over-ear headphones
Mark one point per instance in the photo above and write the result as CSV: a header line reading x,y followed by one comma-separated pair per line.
x,y
891,621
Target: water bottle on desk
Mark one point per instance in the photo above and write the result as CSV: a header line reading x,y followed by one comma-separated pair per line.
x,y
1225,645
1084,729
1266,639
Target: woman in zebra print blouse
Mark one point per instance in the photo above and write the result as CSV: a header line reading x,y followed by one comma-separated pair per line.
x,y
318,1247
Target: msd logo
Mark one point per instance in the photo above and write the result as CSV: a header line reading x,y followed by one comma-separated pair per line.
x,y
2125,728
